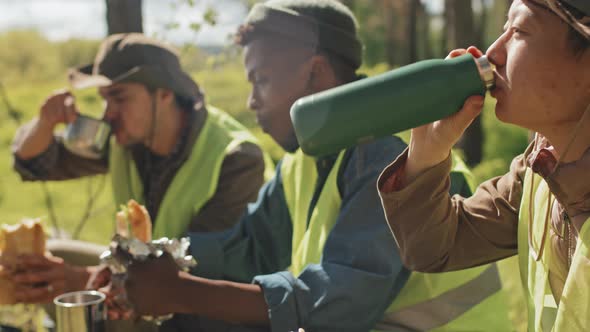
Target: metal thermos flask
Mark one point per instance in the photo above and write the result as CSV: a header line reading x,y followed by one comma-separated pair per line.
x,y
375,107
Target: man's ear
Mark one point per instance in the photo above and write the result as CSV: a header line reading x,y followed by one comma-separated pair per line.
x,y
165,96
322,76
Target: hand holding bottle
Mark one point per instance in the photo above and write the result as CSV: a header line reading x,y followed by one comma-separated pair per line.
x,y
431,143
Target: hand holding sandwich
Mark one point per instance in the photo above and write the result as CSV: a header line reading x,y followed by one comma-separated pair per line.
x,y
40,278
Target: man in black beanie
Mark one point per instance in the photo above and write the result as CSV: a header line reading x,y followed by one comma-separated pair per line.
x,y
315,250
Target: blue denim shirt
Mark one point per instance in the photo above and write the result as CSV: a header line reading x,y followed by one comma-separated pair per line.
x,y
360,272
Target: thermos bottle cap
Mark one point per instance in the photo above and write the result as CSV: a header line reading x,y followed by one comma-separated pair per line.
x,y
486,71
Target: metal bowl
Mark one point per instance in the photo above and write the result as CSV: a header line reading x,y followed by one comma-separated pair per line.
x,y
87,137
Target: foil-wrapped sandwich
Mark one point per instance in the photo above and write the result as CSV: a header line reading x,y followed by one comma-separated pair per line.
x,y
133,242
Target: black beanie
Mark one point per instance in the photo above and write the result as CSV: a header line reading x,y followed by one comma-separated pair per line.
x,y
324,24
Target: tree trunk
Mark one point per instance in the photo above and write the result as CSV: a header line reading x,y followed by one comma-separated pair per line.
x,y
412,30
449,25
388,16
481,26
424,17
124,16
461,34
460,26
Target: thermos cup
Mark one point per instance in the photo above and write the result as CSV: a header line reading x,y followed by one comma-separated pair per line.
x,y
82,311
87,137
375,107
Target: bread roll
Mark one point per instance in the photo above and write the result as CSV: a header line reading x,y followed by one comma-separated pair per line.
x,y
26,237
136,216
122,224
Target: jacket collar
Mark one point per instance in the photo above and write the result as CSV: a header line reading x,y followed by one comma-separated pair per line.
x,y
570,182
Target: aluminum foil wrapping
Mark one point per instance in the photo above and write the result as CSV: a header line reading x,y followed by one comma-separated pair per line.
x,y
122,251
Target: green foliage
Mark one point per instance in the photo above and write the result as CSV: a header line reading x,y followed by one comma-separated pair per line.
x,y
195,26
21,58
76,52
377,69
27,56
371,30
192,58
210,16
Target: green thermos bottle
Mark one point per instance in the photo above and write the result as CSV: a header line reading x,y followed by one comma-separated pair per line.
x,y
375,107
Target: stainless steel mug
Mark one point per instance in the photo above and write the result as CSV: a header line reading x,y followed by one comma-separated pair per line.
x,y
82,311
87,137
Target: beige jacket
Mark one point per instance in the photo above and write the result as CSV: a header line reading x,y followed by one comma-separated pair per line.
x,y
436,232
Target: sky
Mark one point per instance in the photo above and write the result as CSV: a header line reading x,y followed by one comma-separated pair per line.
x,y
64,19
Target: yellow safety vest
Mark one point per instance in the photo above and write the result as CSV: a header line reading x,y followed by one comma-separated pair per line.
x,y
195,182
572,314
468,300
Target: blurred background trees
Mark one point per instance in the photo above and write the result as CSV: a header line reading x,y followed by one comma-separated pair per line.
x,y
394,32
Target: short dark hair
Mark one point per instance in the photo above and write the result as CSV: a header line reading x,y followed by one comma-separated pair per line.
x,y
344,70
246,33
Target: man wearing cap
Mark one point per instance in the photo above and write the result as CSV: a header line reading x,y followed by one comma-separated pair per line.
x,y
540,209
193,166
316,243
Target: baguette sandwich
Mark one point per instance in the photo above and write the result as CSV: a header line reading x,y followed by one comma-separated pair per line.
x,y
134,220
26,237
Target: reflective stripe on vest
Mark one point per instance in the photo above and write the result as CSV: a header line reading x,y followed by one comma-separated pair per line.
x,y
193,184
446,302
573,311
467,300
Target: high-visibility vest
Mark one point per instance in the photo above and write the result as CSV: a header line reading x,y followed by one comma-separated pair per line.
x,y
572,314
468,300
194,183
